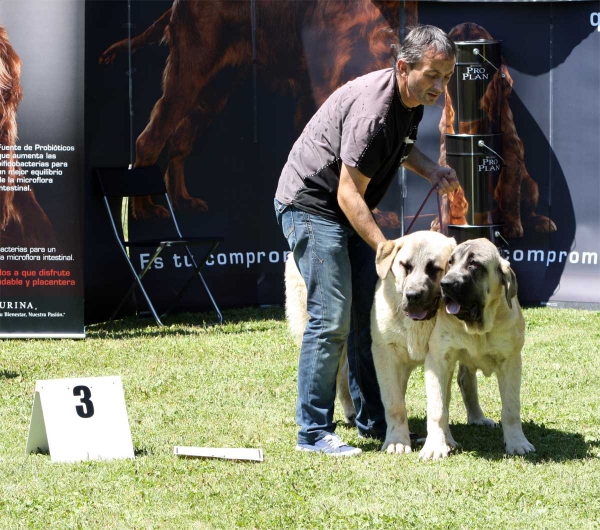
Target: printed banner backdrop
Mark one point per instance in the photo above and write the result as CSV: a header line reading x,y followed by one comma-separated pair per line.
x,y
553,57
41,167
226,120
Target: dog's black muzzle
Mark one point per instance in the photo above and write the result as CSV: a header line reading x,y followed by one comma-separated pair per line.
x,y
460,297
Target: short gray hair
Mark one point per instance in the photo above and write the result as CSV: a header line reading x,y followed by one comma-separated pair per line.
x,y
421,39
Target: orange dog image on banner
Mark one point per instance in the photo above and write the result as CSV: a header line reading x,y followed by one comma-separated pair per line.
x,y
23,222
517,193
305,49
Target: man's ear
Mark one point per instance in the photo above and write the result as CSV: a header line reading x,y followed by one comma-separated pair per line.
x,y
509,280
386,252
402,67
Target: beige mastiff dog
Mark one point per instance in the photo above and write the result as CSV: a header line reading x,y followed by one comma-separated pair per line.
x,y
407,299
482,327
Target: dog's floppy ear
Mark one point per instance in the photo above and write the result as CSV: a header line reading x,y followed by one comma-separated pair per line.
x,y
386,252
498,89
509,280
452,245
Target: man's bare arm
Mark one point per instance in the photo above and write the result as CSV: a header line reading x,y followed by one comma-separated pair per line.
x,y
351,198
442,177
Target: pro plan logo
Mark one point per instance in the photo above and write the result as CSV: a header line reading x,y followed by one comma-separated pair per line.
x,y
474,73
595,20
489,163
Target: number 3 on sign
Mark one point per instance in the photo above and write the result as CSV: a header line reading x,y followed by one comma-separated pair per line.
x,y
80,419
86,411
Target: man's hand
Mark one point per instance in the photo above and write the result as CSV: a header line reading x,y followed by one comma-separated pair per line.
x,y
444,179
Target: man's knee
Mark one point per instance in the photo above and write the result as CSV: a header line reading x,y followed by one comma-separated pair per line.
x,y
332,329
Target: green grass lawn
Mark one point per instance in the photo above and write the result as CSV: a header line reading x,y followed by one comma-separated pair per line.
x,y
234,385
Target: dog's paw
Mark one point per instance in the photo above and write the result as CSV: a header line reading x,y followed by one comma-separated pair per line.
x,y
350,418
436,449
396,448
142,208
518,446
513,229
109,55
190,204
154,211
543,224
107,58
488,422
388,220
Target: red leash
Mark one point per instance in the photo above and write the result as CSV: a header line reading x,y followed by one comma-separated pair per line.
x,y
422,206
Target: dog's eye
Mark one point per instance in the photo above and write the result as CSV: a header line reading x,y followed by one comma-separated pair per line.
x,y
432,270
473,265
451,261
407,267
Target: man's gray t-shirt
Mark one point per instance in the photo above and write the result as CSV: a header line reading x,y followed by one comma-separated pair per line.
x,y
363,124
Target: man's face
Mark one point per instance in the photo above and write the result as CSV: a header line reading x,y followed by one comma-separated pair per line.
x,y
424,82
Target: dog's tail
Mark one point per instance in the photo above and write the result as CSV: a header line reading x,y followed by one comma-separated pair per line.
x,y
156,33
295,300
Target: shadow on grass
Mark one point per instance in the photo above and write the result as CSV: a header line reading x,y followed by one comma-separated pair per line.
x,y
552,445
176,324
141,451
39,451
5,374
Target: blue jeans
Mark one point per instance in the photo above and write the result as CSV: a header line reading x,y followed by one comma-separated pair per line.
x,y
338,268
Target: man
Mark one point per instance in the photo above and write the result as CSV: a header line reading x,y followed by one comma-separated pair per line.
x,y
336,174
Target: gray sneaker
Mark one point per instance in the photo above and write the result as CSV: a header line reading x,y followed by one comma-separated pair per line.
x,y
331,445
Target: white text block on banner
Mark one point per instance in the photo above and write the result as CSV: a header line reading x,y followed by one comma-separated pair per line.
x,y
80,419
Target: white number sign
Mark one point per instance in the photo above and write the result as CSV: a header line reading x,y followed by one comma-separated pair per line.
x,y
80,419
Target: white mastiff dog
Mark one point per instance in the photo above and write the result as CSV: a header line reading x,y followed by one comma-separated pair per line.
x,y
483,328
407,299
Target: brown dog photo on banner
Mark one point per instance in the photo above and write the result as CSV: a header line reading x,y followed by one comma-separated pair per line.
x,y
517,193
23,222
305,49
